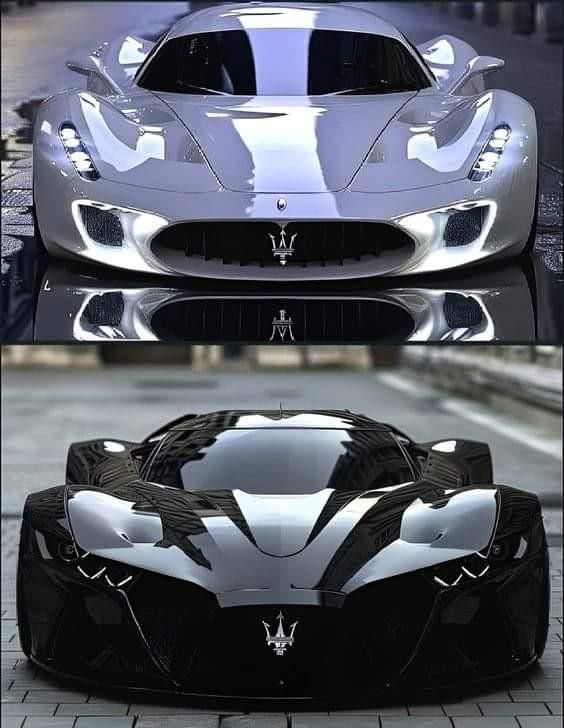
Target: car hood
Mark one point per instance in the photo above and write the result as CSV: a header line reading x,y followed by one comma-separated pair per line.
x,y
283,144
138,141
230,542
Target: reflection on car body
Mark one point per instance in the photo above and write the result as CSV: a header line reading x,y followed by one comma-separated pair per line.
x,y
482,307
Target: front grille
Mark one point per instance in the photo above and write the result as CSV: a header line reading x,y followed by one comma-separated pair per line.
x,y
280,321
356,649
312,243
327,657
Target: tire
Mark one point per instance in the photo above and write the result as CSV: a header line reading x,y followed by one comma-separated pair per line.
x,y
530,244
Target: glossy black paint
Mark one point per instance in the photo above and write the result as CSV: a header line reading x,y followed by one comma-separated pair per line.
x,y
133,627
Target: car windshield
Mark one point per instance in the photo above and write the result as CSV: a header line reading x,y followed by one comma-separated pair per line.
x,y
280,460
282,62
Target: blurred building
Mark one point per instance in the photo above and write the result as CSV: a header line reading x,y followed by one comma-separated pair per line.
x,y
199,357
530,375
521,16
291,356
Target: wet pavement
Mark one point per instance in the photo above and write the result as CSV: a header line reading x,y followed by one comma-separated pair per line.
x,y
48,300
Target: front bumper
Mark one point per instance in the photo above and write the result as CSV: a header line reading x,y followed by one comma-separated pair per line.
x,y
420,217
379,640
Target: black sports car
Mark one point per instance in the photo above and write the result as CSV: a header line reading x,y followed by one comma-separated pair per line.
x,y
282,554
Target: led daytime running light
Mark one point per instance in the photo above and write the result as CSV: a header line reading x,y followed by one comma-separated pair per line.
x,y
77,152
490,154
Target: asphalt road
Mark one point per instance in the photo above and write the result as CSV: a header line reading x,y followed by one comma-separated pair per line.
x,y
43,410
37,40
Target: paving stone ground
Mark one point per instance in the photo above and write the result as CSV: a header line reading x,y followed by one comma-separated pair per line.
x,y
32,699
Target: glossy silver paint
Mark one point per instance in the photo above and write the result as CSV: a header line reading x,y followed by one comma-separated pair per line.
x,y
399,158
64,301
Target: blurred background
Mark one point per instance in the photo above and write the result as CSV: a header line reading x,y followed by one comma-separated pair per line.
x,y
523,16
509,396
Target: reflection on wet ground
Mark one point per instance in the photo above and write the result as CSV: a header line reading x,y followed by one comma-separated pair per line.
x,y
479,308
47,300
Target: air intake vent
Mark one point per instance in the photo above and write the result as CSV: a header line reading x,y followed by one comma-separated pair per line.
x,y
464,227
102,226
461,311
105,309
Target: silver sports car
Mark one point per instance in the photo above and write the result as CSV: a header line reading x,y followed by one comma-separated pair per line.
x,y
279,141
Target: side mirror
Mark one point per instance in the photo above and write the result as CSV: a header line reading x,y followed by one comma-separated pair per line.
x,y
458,462
478,66
86,65
482,65
98,81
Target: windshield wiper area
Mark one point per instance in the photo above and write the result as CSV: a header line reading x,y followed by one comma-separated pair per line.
x,y
183,84
378,88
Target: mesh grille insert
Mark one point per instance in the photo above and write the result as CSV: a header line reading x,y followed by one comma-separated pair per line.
x,y
464,227
102,226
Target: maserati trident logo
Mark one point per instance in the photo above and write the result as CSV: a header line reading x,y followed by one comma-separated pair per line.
x,y
280,641
282,249
282,327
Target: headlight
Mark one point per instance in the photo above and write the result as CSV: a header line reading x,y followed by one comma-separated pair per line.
x,y
77,152
92,568
461,571
501,553
490,154
111,573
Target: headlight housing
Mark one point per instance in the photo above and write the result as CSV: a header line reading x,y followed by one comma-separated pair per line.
x,y
490,154
105,572
77,152
501,553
